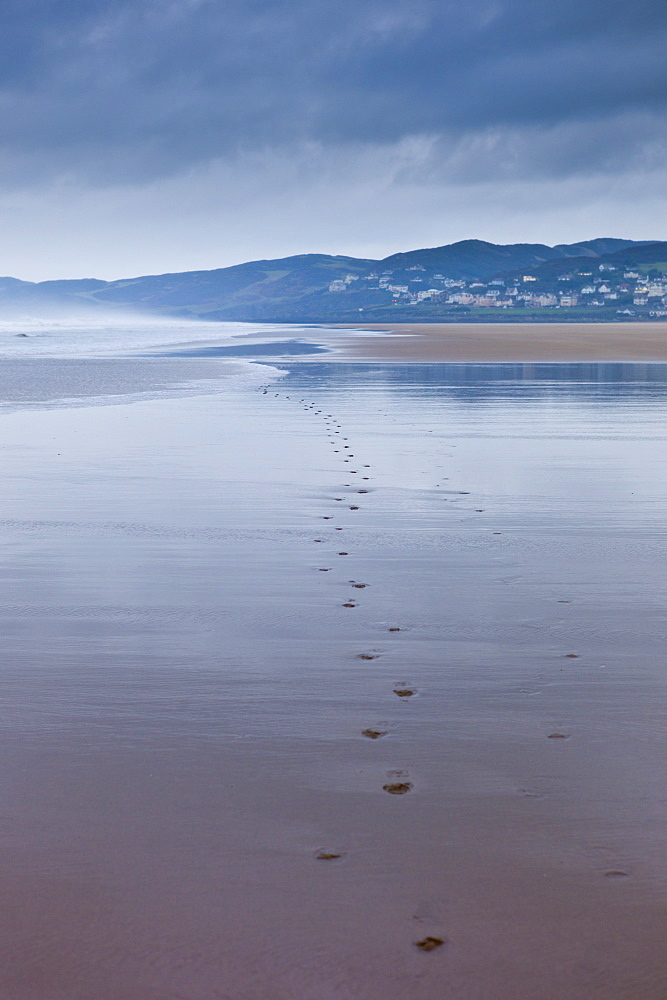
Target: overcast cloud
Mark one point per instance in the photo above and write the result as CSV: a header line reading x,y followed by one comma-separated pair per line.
x,y
150,135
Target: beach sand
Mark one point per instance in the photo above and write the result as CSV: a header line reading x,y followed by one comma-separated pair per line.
x,y
489,342
334,683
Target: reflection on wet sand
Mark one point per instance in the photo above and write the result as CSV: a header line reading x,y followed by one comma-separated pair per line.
x,y
185,698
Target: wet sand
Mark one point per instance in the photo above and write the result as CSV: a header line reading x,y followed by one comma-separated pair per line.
x,y
324,685
489,342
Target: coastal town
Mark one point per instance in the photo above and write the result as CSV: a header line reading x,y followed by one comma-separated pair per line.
x,y
627,292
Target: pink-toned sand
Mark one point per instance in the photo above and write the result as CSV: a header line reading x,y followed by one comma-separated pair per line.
x,y
477,342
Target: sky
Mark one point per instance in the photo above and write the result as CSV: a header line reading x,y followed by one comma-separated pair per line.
x,y
146,136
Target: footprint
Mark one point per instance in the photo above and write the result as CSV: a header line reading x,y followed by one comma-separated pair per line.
x,y
572,656
429,943
525,793
327,570
354,508
367,656
403,691
343,553
394,628
374,734
349,604
558,736
616,873
324,855
398,787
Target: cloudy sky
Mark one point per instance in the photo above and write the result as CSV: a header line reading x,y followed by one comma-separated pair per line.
x,y
142,136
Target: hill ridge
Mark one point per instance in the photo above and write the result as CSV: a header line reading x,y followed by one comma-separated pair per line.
x,y
315,287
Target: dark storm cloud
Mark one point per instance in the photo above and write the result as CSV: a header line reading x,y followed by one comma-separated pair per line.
x,y
131,90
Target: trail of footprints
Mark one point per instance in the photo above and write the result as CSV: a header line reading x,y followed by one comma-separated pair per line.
x,y
397,782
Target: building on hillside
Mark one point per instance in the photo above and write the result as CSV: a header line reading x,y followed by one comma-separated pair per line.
x,y
542,301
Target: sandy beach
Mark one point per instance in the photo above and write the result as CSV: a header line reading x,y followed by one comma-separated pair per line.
x,y
511,342
332,681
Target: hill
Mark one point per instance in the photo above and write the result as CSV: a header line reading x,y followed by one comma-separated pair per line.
x,y
323,288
